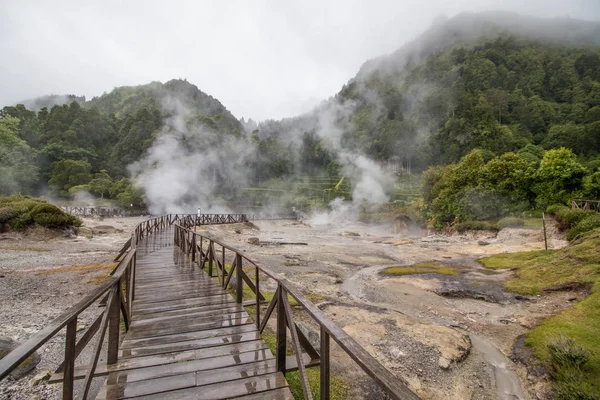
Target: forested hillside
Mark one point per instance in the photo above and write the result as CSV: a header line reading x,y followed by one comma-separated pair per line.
x,y
88,145
510,93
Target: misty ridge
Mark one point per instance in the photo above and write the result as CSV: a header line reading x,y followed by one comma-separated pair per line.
x,y
461,85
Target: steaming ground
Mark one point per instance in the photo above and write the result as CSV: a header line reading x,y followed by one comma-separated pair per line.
x,y
447,336
444,346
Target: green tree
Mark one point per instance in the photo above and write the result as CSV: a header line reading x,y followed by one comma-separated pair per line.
x,y
559,177
18,172
69,173
101,184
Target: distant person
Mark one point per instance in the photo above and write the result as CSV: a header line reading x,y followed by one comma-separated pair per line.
x,y
294,214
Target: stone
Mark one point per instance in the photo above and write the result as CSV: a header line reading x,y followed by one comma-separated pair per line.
x,y
86,232
444,363
396,353
42,376
6,346
254,240
312,335
350,233
483,243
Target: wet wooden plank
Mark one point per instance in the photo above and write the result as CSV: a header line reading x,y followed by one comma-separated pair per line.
x,y
226,390
188,338
189,326
191,313
169,365
277,394
182,337
128,388
169,321
189,344
184,311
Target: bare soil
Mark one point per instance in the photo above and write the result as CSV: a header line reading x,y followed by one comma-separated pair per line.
x,y
44,272
446,336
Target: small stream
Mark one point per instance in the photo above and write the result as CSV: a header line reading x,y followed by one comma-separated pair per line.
x,y
507,383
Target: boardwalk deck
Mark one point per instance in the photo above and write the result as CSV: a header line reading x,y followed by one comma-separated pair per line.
x,y
188,338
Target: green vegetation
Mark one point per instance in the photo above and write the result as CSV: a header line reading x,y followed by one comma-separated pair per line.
x,y
339,387
569,341
20,212
510,222
420,268
574,221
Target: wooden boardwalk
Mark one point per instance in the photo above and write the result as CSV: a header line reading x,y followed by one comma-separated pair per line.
x,y
188,338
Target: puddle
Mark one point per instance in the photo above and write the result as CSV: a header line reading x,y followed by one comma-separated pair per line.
x,y
508,384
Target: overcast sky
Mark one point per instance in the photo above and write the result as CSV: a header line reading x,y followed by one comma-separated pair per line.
x,y
262,59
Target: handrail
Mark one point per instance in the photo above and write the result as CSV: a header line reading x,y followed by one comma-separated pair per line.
x,y
121,293
123,277
585,204
207,256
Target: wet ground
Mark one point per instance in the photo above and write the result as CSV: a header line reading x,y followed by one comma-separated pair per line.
x,y
447,336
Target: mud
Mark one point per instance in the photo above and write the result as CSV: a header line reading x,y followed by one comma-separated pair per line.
x,y
447,336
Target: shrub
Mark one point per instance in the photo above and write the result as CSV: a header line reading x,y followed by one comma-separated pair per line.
x,y
23,211
567,218
568,360
6,214
510,222
476,226
53,220
566,353
555,208
587,224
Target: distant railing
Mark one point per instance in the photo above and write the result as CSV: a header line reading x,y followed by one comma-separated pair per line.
x,y
212,255
105,212
585,204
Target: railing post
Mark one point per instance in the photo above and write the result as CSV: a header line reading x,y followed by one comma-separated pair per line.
x,y
68,373
114,320
256,275
210,258
280,351
324,367
239,294
194,247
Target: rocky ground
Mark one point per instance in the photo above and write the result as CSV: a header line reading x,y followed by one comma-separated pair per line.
x,y
446,336
42,273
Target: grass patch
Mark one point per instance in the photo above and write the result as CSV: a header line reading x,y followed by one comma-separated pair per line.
x,y
339,386
533,223
574,331
25,248
78,268
420,268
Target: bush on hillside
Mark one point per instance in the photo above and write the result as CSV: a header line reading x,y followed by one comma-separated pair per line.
x,y
476,226
587,224
23,211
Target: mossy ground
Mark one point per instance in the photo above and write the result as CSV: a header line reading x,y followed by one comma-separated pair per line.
x,y
420,268
339,386
578,263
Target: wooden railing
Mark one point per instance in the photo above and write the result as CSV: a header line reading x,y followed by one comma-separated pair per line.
x,y
119,293
585,204
213,255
